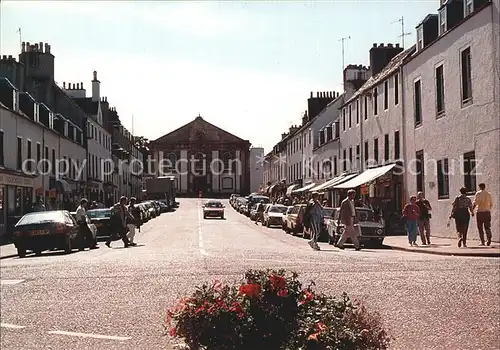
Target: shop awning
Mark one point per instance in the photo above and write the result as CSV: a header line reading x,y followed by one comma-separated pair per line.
x,y
305,188
290,189
63,186
330,182
366,176
271,188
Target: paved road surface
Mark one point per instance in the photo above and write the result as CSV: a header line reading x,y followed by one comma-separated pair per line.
x,y
116,298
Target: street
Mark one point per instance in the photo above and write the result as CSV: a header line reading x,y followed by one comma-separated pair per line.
x,y
117,298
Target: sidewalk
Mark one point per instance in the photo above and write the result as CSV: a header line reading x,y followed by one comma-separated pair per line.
x,y
444,246
7,251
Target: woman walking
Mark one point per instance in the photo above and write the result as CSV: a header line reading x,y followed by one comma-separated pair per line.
x,y
411,213
461,212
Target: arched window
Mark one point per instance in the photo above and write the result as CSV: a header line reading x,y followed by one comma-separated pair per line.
x,y
172,161
199,162
227,158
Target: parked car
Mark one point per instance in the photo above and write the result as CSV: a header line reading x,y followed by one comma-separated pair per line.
x,y
45,230
213,209
295,219
101,218
371,230
92,227
273,215
286,218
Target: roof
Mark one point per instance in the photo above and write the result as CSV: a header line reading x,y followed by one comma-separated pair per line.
x,y
90,107
199,130
388,70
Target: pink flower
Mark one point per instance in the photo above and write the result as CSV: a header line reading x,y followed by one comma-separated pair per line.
x,y
217,285
283,293
173,332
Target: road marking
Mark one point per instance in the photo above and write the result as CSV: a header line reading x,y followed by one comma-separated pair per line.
x,y
200,232
12,326
10,282
90,335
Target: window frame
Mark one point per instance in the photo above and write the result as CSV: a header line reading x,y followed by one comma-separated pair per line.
x,y
396,89
443,178
417,112
2,153
366,107
386,94
375,150
469,99
387,149
19,154
468,3
420,37
358,104
397,145
375,101
440,110
420,171
469,172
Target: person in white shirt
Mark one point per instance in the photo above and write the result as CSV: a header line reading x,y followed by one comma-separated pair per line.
x,y
86,239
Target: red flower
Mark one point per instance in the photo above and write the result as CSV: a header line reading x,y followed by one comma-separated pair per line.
x,y
307,296
173,332
250,290
238,309
283,293
320,327
277,282
217,285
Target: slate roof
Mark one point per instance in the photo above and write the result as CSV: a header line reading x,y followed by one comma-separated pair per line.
x,y
388,70
198,130
90,107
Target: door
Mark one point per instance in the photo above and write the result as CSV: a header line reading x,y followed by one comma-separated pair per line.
x,y
200,183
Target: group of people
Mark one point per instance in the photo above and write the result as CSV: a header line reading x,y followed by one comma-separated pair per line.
x,y
417,214
125,219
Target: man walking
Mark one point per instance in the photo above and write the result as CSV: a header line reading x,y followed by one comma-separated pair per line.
x,y
424,224
133,223
85,235
347,216
260,213
314,216
484,204
119,215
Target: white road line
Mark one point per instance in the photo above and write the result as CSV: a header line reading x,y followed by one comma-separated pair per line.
x,y
10,282
90,335
12,326
200,232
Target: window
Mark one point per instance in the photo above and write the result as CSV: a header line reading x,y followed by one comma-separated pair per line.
x,y
350,157
46,162
396,89
335,168
397,146
375,101
420,38
420,170
366,107
375,150
466,76
38,153
367,154
439,91
29,165
350,116
344,160
358,153
386,94
470,172
442,21
387,154
357,111
2,159
343,119
468,7
53,161
19,153
443,179
417,102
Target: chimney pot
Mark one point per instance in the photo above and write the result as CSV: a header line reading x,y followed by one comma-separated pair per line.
x,y
374,44
95,75
10,57
397,46
23,47
64,85
4,57
81,85
48,49
389,45
381,45
41,46
36,47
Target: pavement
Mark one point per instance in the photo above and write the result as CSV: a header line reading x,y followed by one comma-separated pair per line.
x,y
117,298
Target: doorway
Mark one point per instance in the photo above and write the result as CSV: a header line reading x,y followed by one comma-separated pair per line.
x,y
200,184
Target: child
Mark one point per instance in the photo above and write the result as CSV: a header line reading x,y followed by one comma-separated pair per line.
x,y
411,213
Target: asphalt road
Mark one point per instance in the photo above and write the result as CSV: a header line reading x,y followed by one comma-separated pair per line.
x,y
116,298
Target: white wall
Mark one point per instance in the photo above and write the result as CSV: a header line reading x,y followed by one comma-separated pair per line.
x,y
256,168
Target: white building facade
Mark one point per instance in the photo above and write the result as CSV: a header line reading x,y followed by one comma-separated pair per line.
x,y
452,111
256,168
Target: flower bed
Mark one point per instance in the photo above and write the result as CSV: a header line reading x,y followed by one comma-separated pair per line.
x,y
272,310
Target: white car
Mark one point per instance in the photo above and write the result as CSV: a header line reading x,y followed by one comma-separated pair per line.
x,y
213,209
273,215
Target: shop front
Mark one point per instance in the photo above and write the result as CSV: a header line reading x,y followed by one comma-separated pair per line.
x,y
16,198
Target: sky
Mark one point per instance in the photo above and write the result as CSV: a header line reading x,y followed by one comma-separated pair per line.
x,y
247,67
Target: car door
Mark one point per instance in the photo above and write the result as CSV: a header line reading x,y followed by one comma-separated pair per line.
x,y
72,224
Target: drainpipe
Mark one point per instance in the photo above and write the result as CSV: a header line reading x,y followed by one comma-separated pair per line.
x,y
402,83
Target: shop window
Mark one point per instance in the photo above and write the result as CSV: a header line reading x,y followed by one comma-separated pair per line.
x,y
469,171
2,159
443,179
397,151
420,170
19,153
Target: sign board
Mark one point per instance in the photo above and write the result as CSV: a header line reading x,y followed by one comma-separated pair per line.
x,y
16,180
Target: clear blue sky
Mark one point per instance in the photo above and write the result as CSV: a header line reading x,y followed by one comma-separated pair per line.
x,y
247,67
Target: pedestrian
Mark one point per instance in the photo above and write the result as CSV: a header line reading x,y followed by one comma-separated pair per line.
x,y
313,218
424,224
411,213
461,212
134,223
119,215
85,235
39,206
260,213
348,217
484,203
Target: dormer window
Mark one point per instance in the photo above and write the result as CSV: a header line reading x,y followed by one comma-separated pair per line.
x,y
442,21
420,38
468,7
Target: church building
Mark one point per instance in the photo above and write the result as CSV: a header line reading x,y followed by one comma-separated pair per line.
x,y
203,157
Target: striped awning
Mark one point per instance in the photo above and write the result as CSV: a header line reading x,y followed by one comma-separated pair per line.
x,y
290,189
305,188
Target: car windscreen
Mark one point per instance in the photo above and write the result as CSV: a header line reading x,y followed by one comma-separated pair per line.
x,y
259,199
42,217
328,212
278,210
213,205
365,214
99,214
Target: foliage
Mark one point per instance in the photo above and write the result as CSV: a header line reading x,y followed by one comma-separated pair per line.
x,y
272,310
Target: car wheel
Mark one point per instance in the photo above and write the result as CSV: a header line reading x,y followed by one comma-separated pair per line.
x,y
21,252
67,246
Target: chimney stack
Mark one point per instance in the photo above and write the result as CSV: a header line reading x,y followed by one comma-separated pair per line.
x,y
48,49
81,85
41,47
23,47
64,85
381,55
96,88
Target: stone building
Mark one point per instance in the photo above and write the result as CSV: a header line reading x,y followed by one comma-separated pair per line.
x,y
256,163
451,98
203,157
